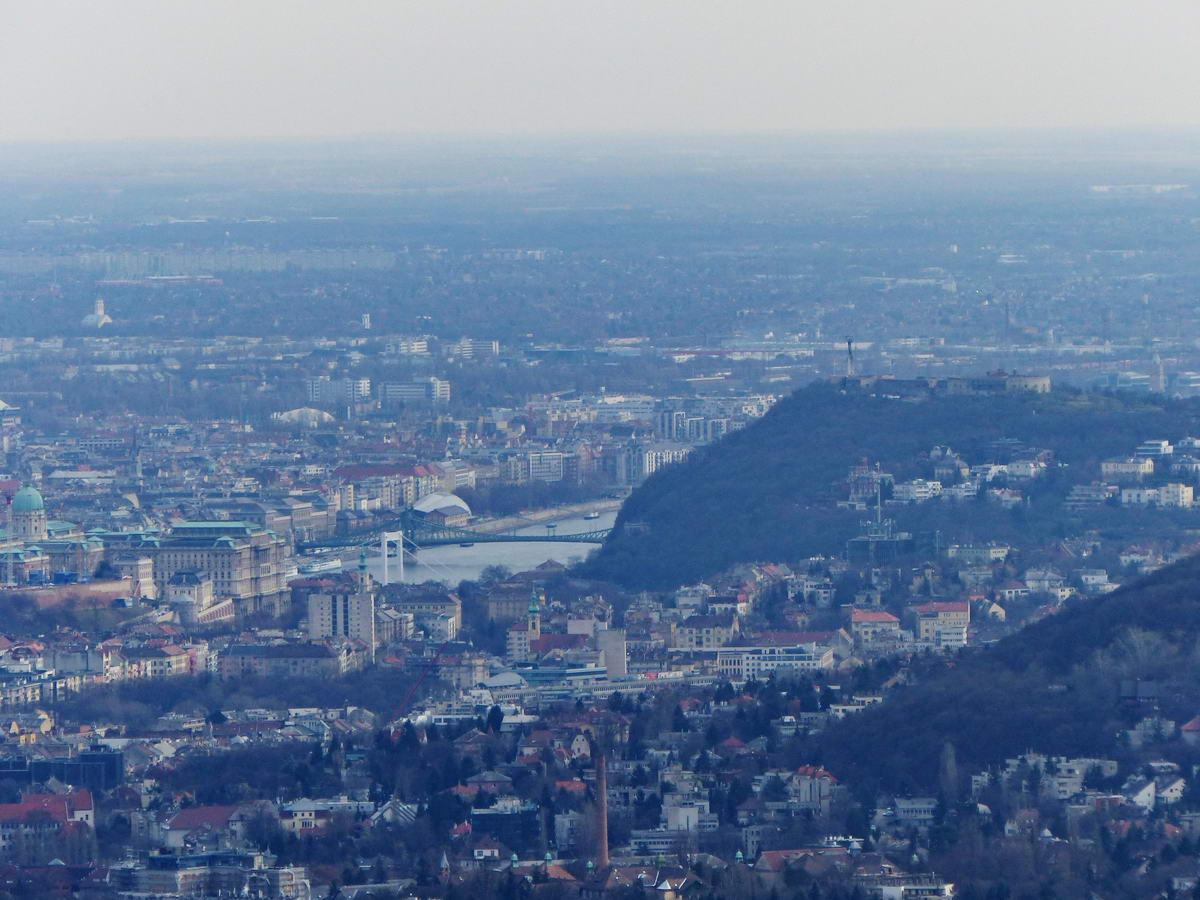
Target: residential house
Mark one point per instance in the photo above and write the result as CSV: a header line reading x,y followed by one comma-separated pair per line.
x,y
706,632
1012,591
1169,789
871,625
1190,732
919,811
1140,791
1094,581
916,491
305,817
207,826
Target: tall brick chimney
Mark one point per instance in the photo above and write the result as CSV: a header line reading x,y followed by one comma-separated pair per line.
x,y
601,812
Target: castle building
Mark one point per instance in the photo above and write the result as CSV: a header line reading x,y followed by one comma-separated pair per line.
x,y
33,548
245,562
190,595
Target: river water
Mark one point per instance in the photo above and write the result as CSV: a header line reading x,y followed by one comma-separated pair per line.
x,y
453,563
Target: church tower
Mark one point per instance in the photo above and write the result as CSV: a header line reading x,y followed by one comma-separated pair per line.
x,y
534,616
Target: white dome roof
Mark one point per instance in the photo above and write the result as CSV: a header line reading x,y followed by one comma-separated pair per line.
x,y
305,416
430,502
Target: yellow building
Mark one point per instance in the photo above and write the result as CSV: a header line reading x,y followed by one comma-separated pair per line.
x,y
944,624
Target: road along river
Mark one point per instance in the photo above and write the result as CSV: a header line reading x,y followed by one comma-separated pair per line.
x,y
452,564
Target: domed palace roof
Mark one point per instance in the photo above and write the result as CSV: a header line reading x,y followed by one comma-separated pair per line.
x,y
27,499
430,502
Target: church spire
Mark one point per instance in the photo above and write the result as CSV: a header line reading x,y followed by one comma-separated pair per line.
x,y
534,617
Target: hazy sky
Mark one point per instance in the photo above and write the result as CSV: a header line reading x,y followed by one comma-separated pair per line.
x,y
235,68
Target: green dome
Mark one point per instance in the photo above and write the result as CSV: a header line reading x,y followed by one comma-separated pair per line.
x,y
27,499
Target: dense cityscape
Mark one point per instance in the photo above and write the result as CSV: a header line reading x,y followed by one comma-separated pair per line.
x,y
599,451
477,550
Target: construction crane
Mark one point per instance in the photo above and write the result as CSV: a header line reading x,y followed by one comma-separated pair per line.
x,y
425,670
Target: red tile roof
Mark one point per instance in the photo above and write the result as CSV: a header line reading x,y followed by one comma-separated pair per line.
x,y
778,860
815,772
548,642
202,817
49,806
77,801
871,615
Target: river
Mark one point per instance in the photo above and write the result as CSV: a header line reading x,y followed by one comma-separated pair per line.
x,y
452,564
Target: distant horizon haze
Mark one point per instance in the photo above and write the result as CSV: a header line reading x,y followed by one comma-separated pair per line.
x,y
222,70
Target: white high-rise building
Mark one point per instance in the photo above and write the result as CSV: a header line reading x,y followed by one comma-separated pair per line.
x,y
432,390
324,389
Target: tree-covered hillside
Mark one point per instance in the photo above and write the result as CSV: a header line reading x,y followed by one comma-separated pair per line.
x,y
1054,687
767,492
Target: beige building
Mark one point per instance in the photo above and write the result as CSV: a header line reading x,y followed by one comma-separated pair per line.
x,y
1131,469
944,624
191,597
1175,494
81,557
438,615
139,569
868,625
162,662
507,602
245,562
706,632
286,660
346,609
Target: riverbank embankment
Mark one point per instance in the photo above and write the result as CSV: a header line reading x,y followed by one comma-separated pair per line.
x,y
545,516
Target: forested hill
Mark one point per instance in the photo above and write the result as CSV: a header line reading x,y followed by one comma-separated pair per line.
x,y
768,492
1054,687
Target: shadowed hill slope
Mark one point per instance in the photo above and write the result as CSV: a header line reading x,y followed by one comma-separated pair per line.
x,y
1054,687
767,492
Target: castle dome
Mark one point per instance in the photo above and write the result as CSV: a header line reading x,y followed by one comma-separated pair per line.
x,y
27,499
